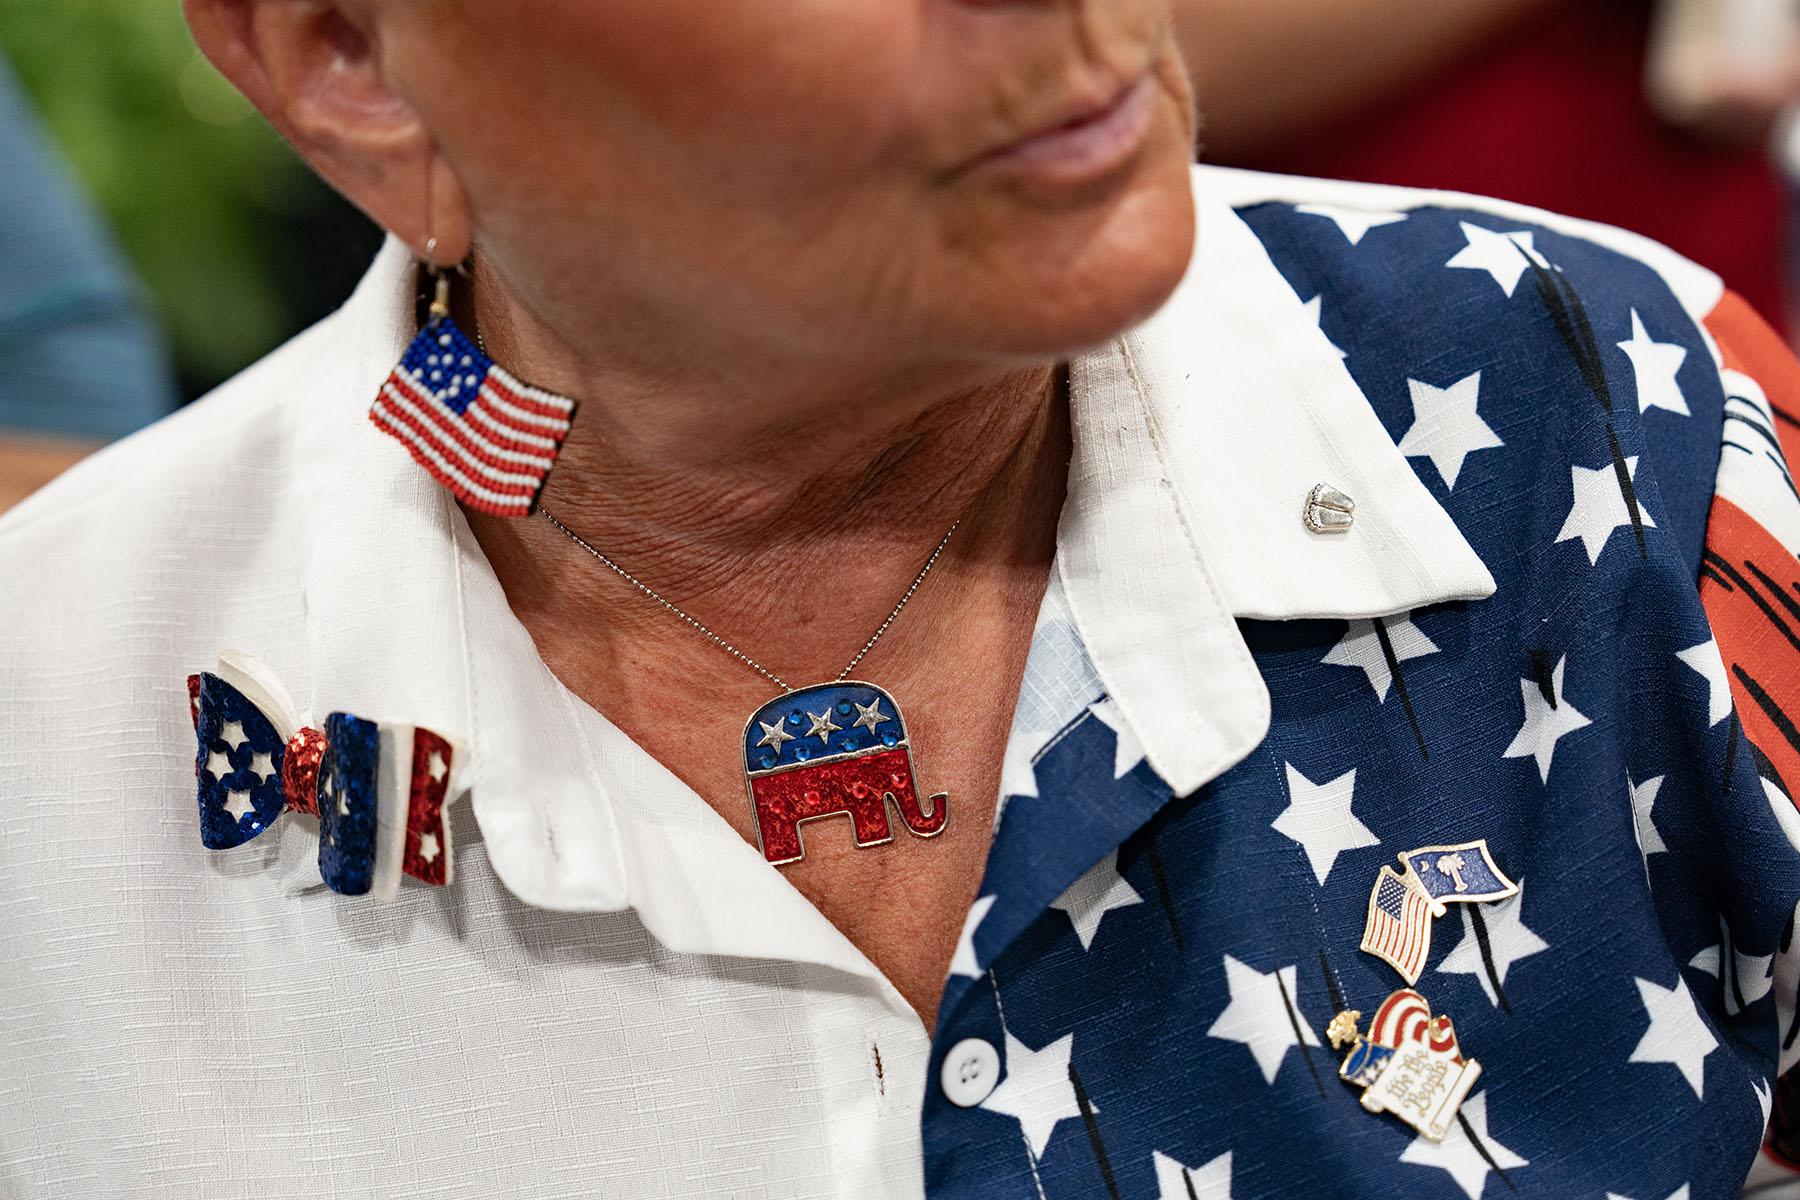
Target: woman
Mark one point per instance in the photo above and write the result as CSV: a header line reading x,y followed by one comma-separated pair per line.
x,y
810,274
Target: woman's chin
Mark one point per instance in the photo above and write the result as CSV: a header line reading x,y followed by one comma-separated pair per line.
x,y
1077,287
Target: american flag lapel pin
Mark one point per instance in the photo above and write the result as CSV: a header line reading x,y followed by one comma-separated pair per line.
x,y
487,437
1408,1064
1402,904
830,749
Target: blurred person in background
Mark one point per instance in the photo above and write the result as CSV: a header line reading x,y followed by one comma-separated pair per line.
x,y
1650,116
80,361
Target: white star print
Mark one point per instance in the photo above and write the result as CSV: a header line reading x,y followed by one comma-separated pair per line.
x,y
1783,808
1094,895
1752,974
1655,364
1037,1090
1676,1035
1354,222
1680,1193
1508,941
869,715
1765,1097
232,734
822,727
1446,427
343,798
434,767
1643,800
1360,647
774,735
238,803
964,961
1127,752
1545,725
1318,816
1175,1181
1018,771
1598,508
1707,960
1755,976
1258,1015
428,847
1315,308
261,765
1502,255
218,764
1705,659
1457,1155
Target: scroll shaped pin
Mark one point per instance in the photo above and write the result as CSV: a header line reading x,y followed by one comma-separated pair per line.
x,y
1409,1064
1329,510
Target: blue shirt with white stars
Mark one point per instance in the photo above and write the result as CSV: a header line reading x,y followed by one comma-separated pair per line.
x,y
1159,972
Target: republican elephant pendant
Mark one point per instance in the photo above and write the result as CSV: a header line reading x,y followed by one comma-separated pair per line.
x,y
830,749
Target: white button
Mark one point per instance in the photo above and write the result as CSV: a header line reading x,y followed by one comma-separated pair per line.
x,y
971,1072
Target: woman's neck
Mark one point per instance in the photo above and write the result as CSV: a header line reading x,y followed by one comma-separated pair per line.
x,y
789,526
792,536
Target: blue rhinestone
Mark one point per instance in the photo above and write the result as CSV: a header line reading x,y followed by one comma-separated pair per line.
x,y
803,754
849,743
888,739
794,717
843,707
768,758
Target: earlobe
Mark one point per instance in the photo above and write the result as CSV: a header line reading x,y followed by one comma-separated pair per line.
x,y
313,68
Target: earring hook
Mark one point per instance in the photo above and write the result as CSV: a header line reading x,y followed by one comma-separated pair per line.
x,y
440,301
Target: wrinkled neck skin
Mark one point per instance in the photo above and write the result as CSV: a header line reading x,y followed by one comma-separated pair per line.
x,y
787,506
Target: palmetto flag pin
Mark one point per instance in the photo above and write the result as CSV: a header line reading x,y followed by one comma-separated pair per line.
x,y
1403,903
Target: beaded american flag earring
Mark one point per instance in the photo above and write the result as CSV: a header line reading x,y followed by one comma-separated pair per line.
x,y
487,437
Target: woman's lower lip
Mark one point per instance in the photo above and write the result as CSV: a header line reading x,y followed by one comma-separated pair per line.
x,y
1077,153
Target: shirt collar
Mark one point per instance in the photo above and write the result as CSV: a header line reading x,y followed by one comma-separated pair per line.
x,y
1197,438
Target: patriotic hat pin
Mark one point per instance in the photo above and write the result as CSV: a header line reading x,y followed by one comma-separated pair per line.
x,y
476,429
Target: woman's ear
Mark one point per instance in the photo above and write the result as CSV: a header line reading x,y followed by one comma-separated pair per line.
x,y
314,69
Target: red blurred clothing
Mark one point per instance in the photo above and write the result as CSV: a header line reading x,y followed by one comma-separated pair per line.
x,y
1554,115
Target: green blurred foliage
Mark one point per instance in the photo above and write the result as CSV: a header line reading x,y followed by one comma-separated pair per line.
x,y
202,194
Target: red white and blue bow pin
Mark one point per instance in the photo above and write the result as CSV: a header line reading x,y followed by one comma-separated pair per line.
x,y
1403,903
378,790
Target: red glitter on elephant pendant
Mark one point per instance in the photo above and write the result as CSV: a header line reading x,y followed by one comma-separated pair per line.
x,y
838,748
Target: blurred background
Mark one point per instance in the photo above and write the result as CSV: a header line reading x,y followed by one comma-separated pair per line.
x,y
237,244
156,236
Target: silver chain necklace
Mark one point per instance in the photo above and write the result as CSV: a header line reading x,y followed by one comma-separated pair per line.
x,y
726,646
862,775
